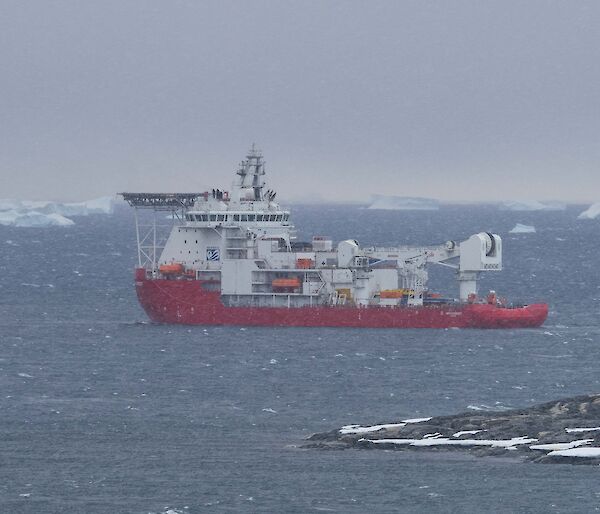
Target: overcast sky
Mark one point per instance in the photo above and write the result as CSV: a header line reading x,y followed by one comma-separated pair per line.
x,y
459,100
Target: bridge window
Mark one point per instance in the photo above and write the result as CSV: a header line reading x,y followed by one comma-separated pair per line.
x,y
250,217
220,217
272,217
236,217
279,217
244,217
213,217
259,217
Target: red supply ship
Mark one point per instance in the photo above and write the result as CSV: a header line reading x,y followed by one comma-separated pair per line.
x,y
231,259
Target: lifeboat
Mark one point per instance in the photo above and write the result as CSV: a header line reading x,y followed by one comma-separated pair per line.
x,y
394,293
286,283
305,263
171,269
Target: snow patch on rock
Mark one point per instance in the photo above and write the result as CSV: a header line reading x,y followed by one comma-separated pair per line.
x,y
358,429
444,441
561,446
590,452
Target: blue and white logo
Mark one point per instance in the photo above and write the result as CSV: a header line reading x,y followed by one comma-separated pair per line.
x,y
213,254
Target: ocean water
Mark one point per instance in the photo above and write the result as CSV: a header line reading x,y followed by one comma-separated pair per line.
x,y
103,412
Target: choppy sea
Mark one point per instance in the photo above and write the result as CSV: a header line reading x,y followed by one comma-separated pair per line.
x,y
104,412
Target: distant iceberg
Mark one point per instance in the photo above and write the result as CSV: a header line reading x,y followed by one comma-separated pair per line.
x,y
591,213
519,228
26,213
14,218
7,204
104,205
532,205
403,203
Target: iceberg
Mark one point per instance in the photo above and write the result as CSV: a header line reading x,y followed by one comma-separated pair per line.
x,y
8,204
403,203
14,218
26,213
591,213
104,205
531,205
519,228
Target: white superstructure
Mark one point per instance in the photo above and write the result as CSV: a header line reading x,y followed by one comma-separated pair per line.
x,y
242,242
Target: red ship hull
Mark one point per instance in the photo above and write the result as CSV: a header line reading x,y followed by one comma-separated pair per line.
x,y
185,302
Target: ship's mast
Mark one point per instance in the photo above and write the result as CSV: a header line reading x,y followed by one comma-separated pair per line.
x,y
251,176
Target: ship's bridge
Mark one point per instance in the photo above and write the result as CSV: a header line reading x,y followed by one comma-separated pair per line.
x,y
233,217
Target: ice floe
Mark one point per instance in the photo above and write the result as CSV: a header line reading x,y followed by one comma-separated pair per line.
x,y
531,205
519,228
590,213
403,203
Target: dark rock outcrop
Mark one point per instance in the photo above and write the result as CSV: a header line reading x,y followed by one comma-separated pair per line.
x,y
564,431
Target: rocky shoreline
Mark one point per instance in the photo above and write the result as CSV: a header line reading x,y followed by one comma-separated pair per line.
x,y
563,431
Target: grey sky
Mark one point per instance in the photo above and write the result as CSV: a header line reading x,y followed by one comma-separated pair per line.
x,y
458,100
